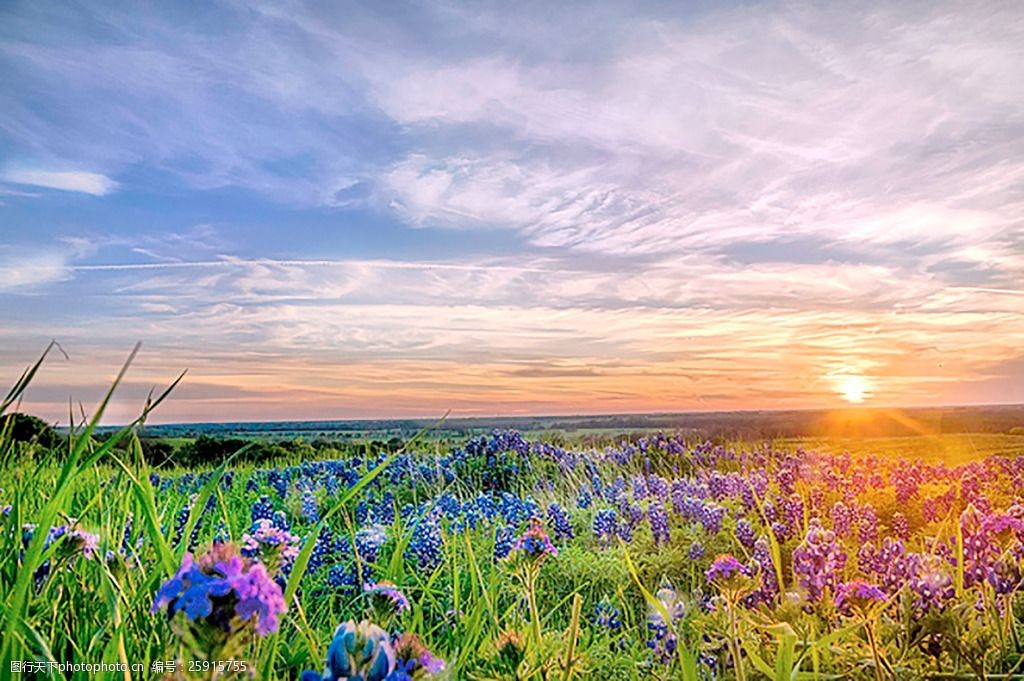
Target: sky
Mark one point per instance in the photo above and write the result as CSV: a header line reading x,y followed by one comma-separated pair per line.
x,y
350,210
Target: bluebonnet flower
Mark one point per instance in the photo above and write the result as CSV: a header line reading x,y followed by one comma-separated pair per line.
x,y
842,519
868,530
342,578
793,507
663,641
181,520
369,541
780,531
696,551
425,546
322,549
931,584
711,516
605,525
818,561
262,509
659,522
358,652
607,616
279,480
769,587
504,538
384,511
745,534
280,520
310,510
560,522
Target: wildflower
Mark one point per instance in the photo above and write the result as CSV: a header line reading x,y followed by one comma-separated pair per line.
x,y
745,533
262,509
900,526
607,616
584,500
842,519
310,510
818,560
932,585
659,522
728,574
369,541
769,587
858,596
358,652
413,658
535,543
504,538
426,542
280,520
223,590
661,623
696,551
387,593
711,516
342,578
274,547
560,522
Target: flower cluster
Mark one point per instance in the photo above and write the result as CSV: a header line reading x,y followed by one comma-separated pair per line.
x,y
274,547
818,561
534,544
858,597
366,652
224,590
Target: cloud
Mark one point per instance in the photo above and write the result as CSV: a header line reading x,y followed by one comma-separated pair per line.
x,y
637,206
68,180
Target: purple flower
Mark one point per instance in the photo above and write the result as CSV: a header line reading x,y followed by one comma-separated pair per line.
x,y
534,543
857,597
274,547
932,584
411,656
659,522
725,569
388,593
818,560
223,585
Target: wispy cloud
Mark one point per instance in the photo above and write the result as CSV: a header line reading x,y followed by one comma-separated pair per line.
x,y
639,206
66,180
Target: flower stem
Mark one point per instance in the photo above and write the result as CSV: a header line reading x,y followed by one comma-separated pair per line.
x,y
869,627
734,643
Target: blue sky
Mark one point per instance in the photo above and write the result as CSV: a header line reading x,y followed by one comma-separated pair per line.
x,y
332,210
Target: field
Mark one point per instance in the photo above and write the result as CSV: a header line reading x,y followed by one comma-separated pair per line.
x,y
500,557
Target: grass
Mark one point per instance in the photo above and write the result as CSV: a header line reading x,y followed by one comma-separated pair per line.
x,y
57,604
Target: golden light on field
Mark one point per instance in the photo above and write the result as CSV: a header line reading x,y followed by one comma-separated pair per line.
x,y
853,388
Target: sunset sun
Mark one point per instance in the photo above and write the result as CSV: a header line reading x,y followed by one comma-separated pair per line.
x,y
853,388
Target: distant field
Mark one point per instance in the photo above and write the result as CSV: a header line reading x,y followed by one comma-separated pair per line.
x,y
952,448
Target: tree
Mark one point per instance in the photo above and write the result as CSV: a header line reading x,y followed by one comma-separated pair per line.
x,y
30,429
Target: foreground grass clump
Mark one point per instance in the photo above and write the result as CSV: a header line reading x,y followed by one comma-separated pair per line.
x,y
509,559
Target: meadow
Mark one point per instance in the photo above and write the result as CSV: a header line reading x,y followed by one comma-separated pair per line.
x,y
502,557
